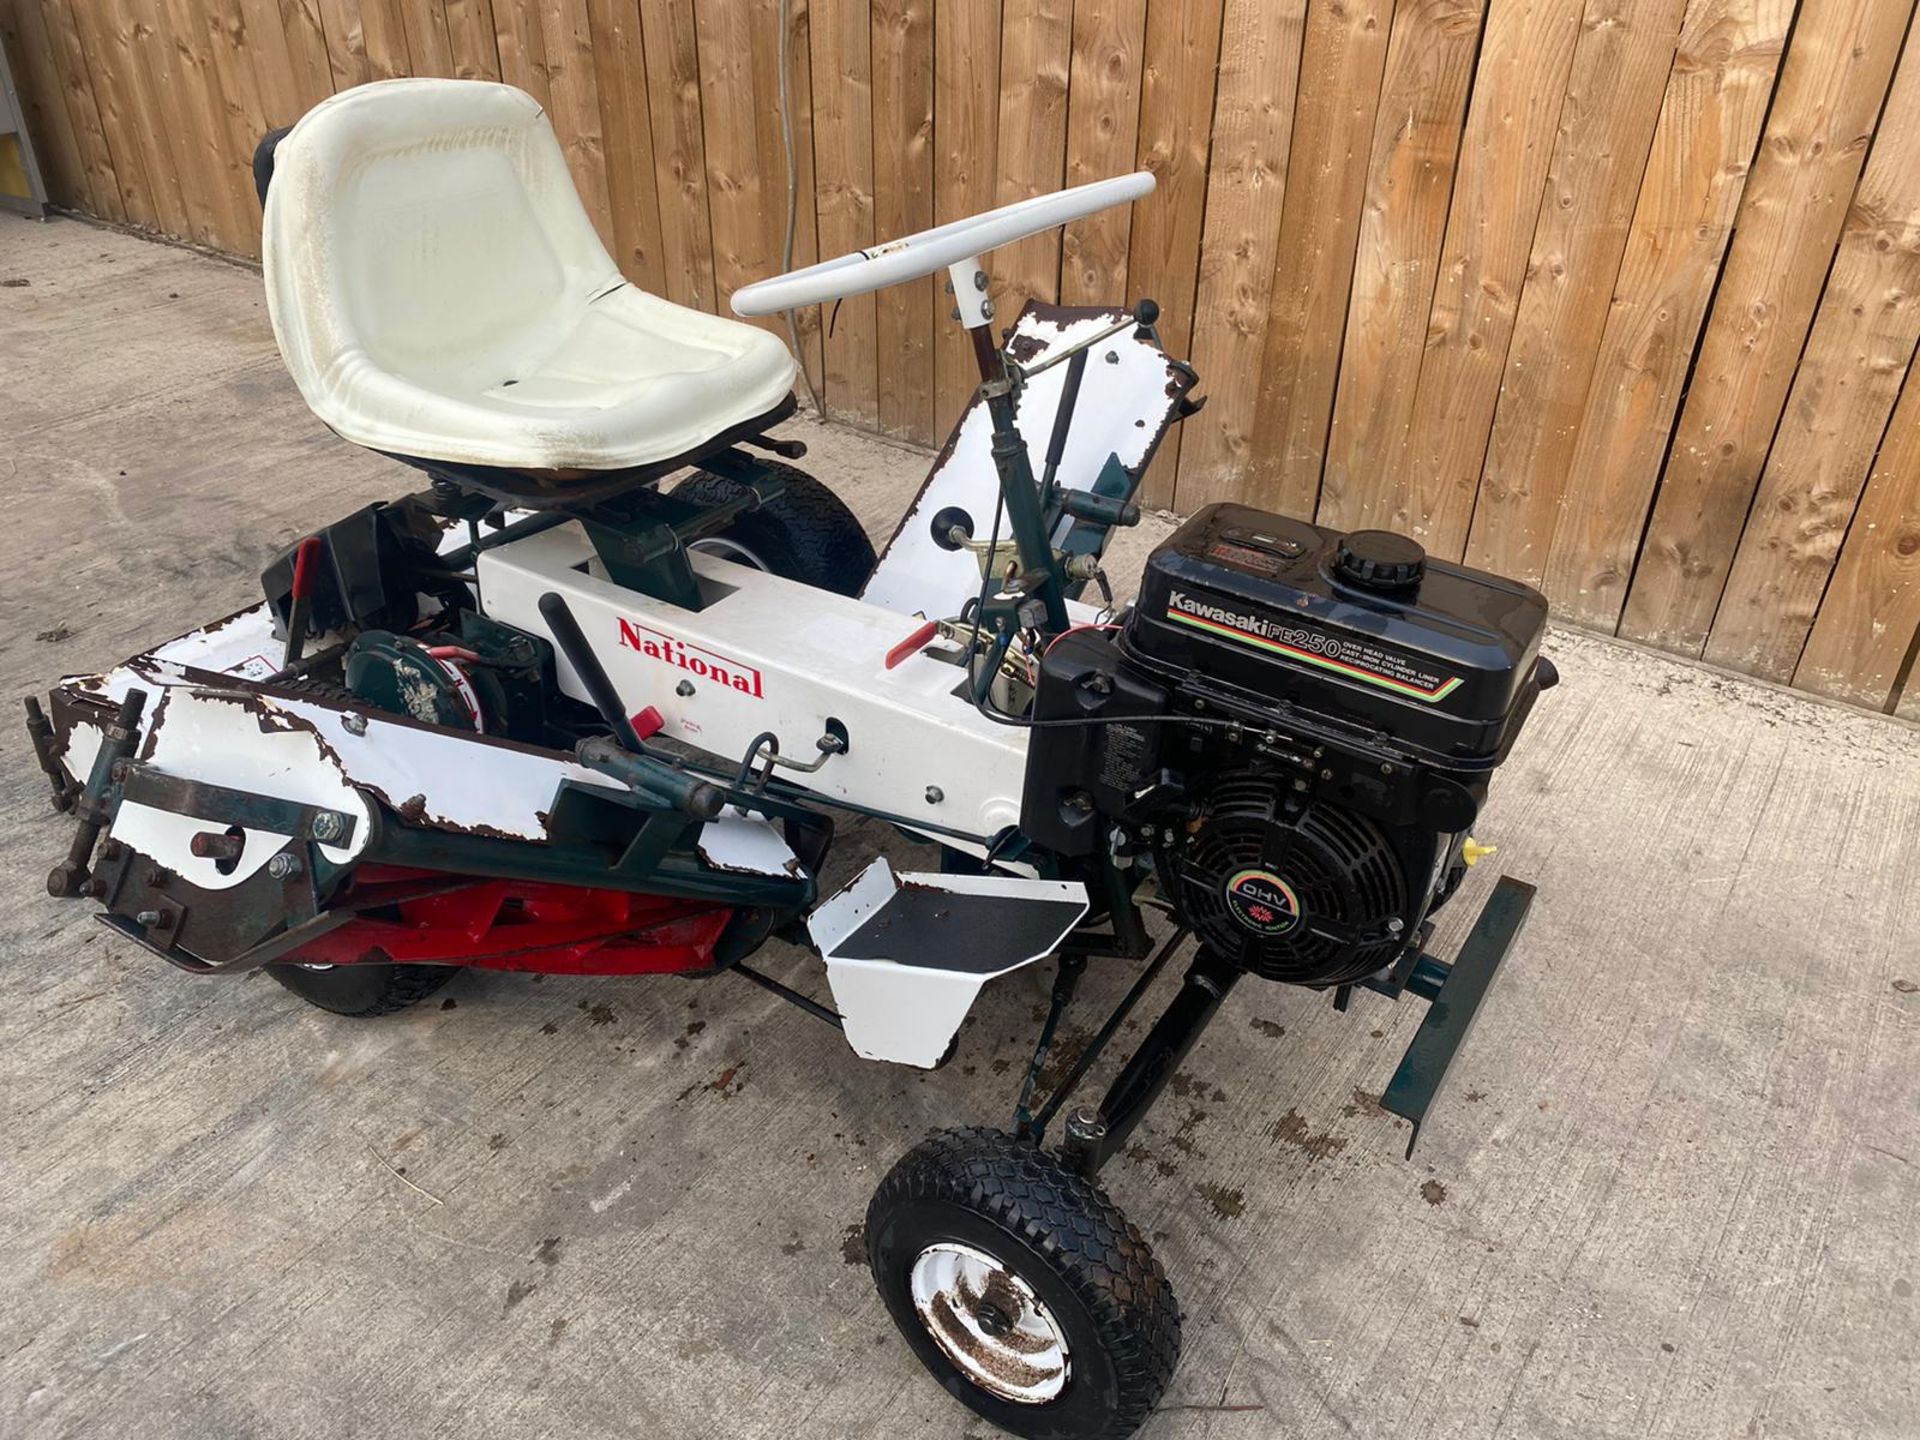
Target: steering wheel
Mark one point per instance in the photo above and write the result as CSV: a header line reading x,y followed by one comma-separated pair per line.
x,y
937,249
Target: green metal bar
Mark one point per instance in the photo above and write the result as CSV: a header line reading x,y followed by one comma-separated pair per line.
x,y
1454,993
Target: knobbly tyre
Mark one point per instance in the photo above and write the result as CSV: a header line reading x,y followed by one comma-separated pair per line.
x,y
589,701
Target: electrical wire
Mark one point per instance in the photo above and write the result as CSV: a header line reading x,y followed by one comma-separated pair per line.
x,y
793,205
981,698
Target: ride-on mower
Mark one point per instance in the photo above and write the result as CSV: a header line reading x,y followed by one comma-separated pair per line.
x,y
589,700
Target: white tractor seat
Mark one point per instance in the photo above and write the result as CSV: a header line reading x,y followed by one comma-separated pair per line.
x,y
439,293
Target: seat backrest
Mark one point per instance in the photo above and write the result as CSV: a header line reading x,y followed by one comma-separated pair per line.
x,y
429,228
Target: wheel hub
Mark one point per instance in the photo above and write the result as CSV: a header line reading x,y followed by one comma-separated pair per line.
x,y
992,1326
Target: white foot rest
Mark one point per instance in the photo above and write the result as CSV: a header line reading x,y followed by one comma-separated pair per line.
x,y
907,954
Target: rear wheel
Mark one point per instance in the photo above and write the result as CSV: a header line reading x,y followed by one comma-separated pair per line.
x,y
1022,1287
362,991
805,533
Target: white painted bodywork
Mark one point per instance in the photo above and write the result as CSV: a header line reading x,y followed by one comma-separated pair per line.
x,y
437,290
805,655
220,740
1125,404
909,1014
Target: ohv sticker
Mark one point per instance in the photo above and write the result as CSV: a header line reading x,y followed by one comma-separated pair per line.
x,y
1262,902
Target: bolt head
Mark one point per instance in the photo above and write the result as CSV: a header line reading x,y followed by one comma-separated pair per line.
x,y
683,689
328,826
935,795
284,866
353,724
148,918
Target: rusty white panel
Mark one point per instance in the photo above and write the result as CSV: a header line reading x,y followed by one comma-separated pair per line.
x,y
745,843
222,741
1127,400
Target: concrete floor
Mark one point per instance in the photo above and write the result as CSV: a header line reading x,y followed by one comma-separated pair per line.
x,y
1673,1191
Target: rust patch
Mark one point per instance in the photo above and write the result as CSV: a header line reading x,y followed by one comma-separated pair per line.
x,y
1364,1102
1272,1029
548,1252
1433,1192
853,1245
516,1292
556,1330
1292,1129
1226,1204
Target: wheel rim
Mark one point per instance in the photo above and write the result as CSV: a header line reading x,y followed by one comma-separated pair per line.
x,y
990,1324
730,550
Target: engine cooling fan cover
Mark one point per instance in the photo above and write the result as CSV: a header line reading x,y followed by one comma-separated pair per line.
x,y
1302,897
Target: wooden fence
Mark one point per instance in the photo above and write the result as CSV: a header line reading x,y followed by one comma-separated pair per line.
x,y
1619,296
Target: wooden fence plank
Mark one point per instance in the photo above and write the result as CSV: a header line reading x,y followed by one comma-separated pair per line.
x,y
966,127
243,113
773,158
905,318
84,111
286,85
98,34
474,41
1614,98
1180,53
1831,87
573,104
346,42
1843,395
176,92
520,38
429,48
1710,120
305,33
1103,124
1246,182
1416,143
1036,42
679,150
217,121
1342,64
1525,58
384,34
1871,614
841,48
42,99
620,77
746,164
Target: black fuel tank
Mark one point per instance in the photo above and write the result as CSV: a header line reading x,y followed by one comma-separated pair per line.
x,y
1363,629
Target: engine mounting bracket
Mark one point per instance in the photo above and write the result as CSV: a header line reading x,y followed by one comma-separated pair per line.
x,y
1453,993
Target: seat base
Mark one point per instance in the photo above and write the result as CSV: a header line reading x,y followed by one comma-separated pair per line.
x,y
537,490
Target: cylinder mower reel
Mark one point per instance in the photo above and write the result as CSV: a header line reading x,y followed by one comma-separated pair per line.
x,y
590,701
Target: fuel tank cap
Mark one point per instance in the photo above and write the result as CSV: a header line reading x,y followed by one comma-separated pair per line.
x,y
1379,560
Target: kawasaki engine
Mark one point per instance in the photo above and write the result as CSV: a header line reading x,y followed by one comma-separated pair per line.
x,y
1294,730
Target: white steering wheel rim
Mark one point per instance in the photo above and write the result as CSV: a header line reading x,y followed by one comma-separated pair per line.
x,y
931,251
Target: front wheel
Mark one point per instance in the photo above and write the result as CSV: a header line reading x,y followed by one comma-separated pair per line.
x,y
1022,1287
